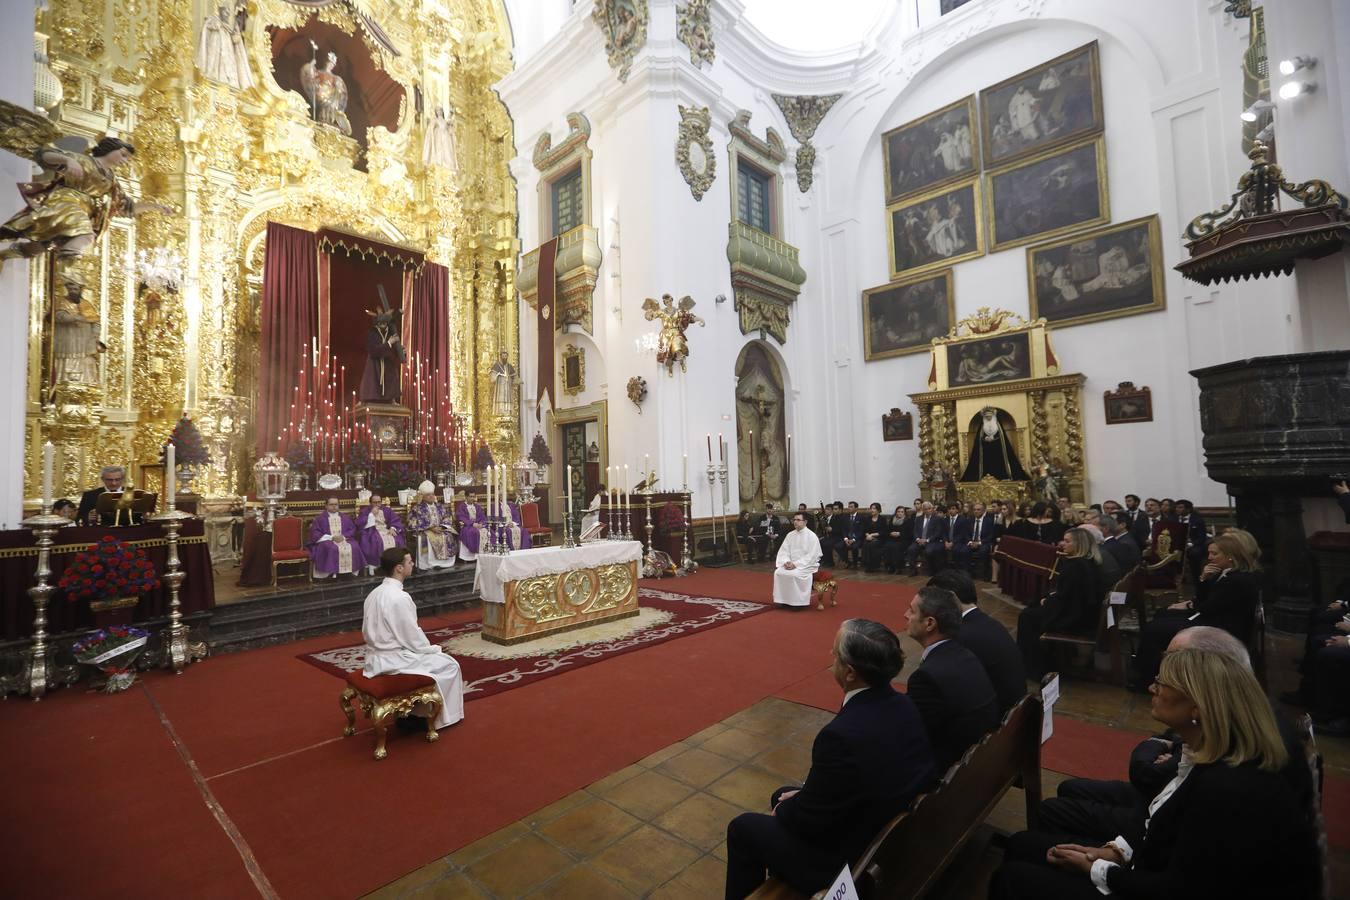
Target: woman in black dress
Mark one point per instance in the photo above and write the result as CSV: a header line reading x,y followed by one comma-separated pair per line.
x,y
873,538
1074,601
899,535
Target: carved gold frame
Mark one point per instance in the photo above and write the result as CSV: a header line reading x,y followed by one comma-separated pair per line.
x,y
1155,264
570,352
869,355
975,161
1098,115
695,123
1103,195
977,210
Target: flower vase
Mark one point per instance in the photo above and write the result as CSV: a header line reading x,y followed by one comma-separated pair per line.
x,y
359,480
118,611
185,478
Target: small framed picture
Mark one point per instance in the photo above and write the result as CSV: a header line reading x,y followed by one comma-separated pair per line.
x,y
930,151
897,426
1102,274
936,230
904,316
1128,404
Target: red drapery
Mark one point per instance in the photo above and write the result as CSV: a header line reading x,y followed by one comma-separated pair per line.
x,y
289,323
430,331
546,321
1025,568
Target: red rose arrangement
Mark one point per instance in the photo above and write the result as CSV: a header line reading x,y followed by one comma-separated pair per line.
x,y
108,569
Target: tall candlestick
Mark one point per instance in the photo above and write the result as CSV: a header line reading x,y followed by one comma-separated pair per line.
x,y
48,453
169,474
789,451
710,446
752,454
569,493
721,447
684,469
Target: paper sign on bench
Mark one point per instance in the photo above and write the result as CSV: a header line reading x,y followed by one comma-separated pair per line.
x,y
1049,697
1115,598
843,888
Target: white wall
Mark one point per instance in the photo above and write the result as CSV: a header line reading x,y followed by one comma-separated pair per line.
x,y
16,86
1172,93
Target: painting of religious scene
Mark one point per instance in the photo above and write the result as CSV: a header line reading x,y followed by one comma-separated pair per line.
x,y
1053,104
904,317
1049,195
1004,357
1113,271
936,230
933,150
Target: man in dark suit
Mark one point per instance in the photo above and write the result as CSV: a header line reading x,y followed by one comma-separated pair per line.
x,y
930,533
1197,538
972,544
1119,543
991,643
959,526
867,765
832,532
951,689
1135,520
1142,529
769,530
113,478
850,547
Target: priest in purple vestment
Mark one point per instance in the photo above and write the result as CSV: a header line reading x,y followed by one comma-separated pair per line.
x,y
378,528
332,543
516,535
472,519
437,541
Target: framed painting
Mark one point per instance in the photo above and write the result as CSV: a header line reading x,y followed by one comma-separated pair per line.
x,y
1112,271
897,426
1004,357
1056,103
573,370
904,316
1128,404
936,230
933,150
1048,195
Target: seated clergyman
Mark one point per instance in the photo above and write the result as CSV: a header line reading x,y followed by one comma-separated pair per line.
x,y
332,543
437,541
396,644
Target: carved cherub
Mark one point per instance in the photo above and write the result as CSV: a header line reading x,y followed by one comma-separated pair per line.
x,y
672,345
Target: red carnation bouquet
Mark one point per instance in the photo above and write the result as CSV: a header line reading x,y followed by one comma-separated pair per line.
x,y
108,569
112,651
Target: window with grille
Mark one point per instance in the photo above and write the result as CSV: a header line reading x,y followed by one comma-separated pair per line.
x,y
567,202
753,201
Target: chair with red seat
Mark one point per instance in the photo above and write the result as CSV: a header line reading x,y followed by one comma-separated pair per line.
x,y
822,583
288,546
385,697
540,535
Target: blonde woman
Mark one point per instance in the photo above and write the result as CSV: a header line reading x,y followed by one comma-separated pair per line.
x,y
1226,597
1073,602
1236,821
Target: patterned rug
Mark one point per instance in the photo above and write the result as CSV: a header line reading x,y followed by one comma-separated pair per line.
x,y
683,615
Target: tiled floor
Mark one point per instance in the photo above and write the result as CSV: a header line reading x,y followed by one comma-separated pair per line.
x,y
657,828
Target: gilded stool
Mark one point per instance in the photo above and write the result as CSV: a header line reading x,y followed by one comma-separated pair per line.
x,y
822,583
384,698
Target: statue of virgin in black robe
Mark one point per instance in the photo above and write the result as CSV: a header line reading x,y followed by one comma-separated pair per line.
x,y
991,452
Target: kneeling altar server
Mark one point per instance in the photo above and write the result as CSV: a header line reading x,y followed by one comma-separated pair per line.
x,y
798,559
397,645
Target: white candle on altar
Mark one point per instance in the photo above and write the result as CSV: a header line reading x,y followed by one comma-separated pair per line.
x,y
169,474
48,453
685,470
505,501
627,491
569,492
647,470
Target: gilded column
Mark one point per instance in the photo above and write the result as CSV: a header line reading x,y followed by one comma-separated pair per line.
x,y
1040,429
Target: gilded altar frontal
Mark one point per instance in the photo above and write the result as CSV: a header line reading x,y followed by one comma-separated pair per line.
x,y
374,118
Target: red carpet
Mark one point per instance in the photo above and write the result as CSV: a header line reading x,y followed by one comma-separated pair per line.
x,y
485,677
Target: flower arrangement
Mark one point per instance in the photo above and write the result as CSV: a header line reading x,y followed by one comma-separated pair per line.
x,y
483,460
112,651
298,456
394,478
109,568
358,456
188,447
539,452
440,459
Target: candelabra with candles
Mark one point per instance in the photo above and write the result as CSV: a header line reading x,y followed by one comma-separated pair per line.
x,y
568,542
177,651
717,473
39,670
687,564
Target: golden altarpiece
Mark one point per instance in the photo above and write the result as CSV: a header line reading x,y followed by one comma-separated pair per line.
x,y
996,361
231,153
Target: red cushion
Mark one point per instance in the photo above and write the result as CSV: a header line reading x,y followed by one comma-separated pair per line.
x,y
284,555
382,687
822,575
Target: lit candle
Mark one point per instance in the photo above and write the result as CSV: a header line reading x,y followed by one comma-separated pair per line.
x,y
685,469
169,474
752,454
721,447
627,491
48,453
789,449
710,447
569,493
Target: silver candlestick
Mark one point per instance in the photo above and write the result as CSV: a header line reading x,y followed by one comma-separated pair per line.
x,y
687,563
568,543
177,651
39,668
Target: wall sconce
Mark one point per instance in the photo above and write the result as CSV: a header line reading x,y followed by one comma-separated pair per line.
x,y
1253,112
1290,66
1292,89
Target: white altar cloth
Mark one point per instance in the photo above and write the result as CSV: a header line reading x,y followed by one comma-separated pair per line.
x,y
494,572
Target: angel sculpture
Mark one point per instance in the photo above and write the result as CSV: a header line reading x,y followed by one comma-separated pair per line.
x,y
327,92
69,204
438,144
672,346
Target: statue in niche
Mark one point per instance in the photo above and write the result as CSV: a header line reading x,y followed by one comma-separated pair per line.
x,y
672,346
763,471
75,341
382,382
991,451
220,50
504,382
438,146
70,203
326,90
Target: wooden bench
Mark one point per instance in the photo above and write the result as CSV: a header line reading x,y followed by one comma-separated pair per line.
x,y
906,859
1107,634
384,698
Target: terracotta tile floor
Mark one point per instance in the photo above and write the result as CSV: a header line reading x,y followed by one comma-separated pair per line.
x,y
657,828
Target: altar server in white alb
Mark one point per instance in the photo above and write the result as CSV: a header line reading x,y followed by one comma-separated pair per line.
x,y
397,645
798,559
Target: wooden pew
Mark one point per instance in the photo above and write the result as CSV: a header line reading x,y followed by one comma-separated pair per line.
x,y
909,855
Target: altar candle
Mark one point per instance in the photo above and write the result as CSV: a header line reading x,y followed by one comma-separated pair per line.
x,y
627,491
169,474
721,447
685,468
48,452
752,454
789,450
487,489
647,469
569,493
710,447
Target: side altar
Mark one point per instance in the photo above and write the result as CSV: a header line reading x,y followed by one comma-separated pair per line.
x,y
531,593
999,419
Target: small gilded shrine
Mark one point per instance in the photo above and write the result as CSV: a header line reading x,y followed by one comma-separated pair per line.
x,y
367,129
999,419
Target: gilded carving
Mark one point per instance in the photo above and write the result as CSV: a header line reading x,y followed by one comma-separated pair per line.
x,y
694,150
693,28
624,25
803,114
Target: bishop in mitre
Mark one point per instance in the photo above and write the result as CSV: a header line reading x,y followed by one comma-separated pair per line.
x,y
798,559
397,645
437,542
332,543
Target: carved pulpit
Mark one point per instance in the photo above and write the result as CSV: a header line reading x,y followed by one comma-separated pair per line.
x,y
999,420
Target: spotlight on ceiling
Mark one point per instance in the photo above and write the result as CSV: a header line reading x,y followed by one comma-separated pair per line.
x,y
1291,89
1290,66
1253,112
